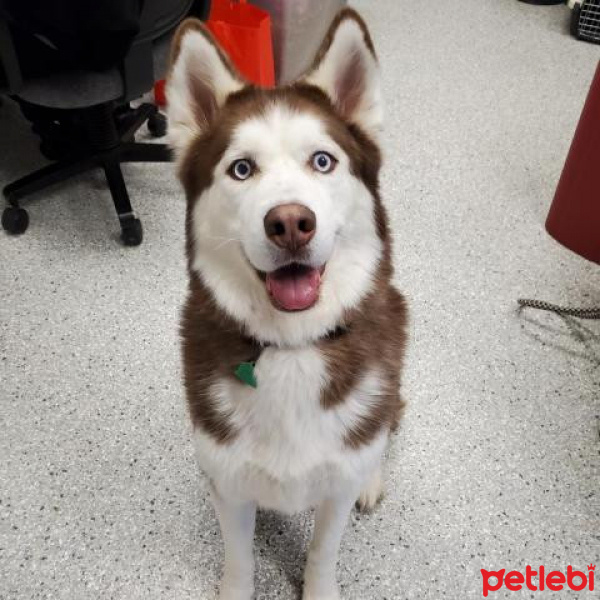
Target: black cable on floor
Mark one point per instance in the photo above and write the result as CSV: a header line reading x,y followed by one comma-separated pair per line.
x,y
580,313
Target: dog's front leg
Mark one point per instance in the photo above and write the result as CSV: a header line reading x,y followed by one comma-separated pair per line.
x,y
330,521
237,520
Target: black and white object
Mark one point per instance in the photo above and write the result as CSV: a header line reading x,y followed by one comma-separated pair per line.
x,y
585,20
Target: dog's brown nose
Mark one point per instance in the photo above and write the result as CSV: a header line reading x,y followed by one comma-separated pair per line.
x,y
290,226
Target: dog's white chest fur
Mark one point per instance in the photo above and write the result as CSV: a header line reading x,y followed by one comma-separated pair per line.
x,y
289,452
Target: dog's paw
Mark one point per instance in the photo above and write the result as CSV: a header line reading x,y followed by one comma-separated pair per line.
x,y
372,494
319,586
235,593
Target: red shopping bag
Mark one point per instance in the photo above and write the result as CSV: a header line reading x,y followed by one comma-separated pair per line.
x,y
244,32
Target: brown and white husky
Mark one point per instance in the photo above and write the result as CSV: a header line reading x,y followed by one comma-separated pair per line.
x,y
293,335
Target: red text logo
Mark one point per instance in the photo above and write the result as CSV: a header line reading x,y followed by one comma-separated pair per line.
x,y
553,581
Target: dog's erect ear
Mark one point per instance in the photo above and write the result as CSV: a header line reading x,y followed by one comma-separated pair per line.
x,y
200,79
346,69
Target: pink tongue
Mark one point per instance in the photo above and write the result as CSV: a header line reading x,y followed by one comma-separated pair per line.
x,y
294,290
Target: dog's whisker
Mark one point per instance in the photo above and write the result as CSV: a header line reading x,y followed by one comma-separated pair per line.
x,y
224,241
220,237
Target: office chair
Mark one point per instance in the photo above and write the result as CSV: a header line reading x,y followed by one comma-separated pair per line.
x,y
84,118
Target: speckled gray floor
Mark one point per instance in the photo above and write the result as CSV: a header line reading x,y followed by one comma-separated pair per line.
x,y
497,462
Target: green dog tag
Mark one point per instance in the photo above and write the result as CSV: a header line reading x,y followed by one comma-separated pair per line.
x,y
245,373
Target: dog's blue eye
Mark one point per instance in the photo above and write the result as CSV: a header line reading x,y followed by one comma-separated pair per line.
x,y
323,162
241,169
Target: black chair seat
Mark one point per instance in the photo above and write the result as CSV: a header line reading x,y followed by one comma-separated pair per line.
x,y
80,89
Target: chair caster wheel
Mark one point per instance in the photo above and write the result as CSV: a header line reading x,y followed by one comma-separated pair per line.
x,y
132,233
157,124
15,220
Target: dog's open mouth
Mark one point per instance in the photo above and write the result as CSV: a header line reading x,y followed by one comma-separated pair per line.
x,y
294,287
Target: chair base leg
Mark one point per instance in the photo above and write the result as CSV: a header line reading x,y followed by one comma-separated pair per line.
x,y
131,228
43,178
109,146
135,119
135,152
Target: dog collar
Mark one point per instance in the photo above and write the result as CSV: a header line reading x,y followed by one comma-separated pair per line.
x,y
244,371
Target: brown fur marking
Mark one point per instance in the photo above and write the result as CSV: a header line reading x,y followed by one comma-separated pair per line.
x,y
375,340
213,346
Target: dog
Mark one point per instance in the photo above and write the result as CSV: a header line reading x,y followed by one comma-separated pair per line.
x,y
293,335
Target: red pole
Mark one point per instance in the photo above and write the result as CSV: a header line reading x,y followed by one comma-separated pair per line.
x,y
574,217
